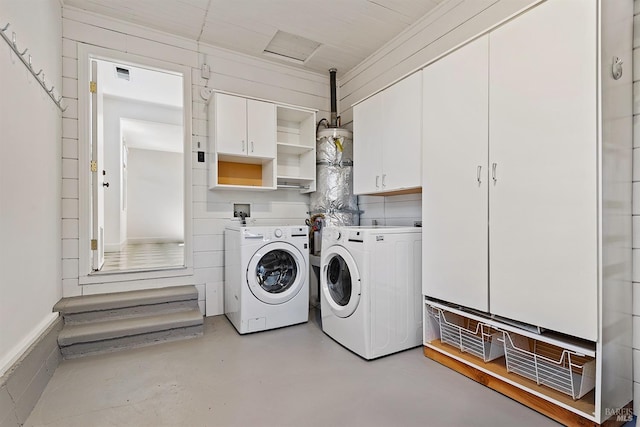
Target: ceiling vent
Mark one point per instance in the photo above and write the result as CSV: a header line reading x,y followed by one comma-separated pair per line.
x,y
122,73
291,47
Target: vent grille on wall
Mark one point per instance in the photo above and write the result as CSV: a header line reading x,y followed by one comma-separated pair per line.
x,y
122,73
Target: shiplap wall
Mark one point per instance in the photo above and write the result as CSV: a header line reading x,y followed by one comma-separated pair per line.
x,y
446,27
30,165
636,207
212,210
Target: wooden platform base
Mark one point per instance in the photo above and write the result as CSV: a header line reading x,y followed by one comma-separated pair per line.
x,y
534,402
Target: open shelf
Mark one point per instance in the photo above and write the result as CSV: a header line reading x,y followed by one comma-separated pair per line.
x,y
296,148
547,376
293,149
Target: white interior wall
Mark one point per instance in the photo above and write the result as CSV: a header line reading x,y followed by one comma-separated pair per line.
x,y
30,174
447,26
212,210
636,206
116,108
155,203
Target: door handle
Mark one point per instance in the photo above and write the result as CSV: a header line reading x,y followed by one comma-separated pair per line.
x,y
377,179
105,184
478,175
383,179
494,166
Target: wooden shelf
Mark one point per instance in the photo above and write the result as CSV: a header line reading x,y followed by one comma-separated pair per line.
x,y
494,375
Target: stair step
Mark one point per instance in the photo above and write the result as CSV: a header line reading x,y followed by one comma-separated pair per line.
x,y
119,300
119,328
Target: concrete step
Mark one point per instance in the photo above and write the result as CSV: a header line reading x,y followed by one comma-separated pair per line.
x,y
115,334
124,300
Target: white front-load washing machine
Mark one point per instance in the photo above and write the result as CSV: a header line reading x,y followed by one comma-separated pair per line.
x,y
371,288
266,277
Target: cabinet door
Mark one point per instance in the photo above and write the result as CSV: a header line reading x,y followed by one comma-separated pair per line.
x,y
454,177
543,143
367,145
402,134
261,129
231,124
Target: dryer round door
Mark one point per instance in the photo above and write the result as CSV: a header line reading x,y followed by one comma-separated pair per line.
x,y
276,273
340,281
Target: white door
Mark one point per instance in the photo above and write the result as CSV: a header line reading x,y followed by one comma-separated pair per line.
x,y
367,145
340,281
454,177
543,143
261,129
402,134
97,172
230,124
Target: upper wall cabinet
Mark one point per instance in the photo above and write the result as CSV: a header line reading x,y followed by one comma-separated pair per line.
x,y
387,139
260,145
244,126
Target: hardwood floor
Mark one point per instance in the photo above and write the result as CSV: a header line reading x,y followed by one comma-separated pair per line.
x,y
145,256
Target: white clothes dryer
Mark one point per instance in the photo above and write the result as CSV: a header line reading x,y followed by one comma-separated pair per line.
x,y
266,277
371,289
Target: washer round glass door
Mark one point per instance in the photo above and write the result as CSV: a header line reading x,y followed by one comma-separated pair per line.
x,y
276,272
340,281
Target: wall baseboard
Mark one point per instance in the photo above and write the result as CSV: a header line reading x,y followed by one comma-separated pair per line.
x,y
22,385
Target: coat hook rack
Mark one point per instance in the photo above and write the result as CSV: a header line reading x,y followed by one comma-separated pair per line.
x,y
12,42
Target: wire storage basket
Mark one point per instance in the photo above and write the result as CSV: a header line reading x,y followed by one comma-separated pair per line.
x,y
560,369
468,335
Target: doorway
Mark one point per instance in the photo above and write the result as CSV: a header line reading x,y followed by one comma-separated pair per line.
x,y
137,194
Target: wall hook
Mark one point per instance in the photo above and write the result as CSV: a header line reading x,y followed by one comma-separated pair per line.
x,y
51,90
5,27
63,109
25,51
616,68
59,99
38,73
29,61
13,40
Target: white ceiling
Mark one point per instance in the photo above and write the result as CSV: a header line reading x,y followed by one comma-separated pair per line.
x,y
147,135
348,30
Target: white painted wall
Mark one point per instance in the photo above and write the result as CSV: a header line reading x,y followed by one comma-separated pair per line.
x,y
636,206
212,210
447,26
155,202
116,108
31,168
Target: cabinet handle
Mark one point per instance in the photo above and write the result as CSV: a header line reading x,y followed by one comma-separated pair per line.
x,y
377,179
383,179
494,166
478,175
252,146
243,145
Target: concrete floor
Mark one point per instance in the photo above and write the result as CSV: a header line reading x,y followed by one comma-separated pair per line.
x,y
294,376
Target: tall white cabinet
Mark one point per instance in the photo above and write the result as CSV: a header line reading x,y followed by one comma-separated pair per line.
x,y
527,189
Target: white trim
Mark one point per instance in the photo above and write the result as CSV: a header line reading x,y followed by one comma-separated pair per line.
x,y
19,349
85,274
